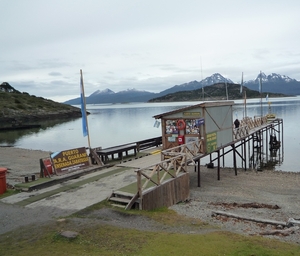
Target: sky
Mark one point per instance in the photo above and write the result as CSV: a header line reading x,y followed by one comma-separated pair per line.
x,y
148,45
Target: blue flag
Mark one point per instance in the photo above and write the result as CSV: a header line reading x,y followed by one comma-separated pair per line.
x,y
83,111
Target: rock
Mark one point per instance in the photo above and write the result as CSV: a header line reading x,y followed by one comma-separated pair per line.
x,y
69,234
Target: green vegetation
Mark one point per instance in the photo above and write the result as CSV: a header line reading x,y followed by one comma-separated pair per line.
x,y
96,238
9,192
214,92
21,106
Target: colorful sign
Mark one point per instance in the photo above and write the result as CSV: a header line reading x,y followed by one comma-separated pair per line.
x,y
70,160
211,142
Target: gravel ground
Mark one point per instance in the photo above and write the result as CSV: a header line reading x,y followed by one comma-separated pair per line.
x,y
263,195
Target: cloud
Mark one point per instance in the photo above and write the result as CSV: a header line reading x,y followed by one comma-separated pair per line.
x,y
148,45
55,74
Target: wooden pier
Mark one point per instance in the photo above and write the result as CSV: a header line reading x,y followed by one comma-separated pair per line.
x,y
167,182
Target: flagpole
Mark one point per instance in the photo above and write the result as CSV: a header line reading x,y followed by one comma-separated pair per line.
x,y
241,92
84,109
261,110
245,104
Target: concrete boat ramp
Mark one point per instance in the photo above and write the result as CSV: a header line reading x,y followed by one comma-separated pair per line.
x,y
82,189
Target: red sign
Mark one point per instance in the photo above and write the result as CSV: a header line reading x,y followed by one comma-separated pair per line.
x,y
70,160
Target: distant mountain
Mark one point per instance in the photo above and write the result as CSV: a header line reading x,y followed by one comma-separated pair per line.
x,y
103,92
108,96
272,83
194,85
133,95
275,83
213,92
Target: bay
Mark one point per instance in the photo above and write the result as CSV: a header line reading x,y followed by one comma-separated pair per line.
x,y
115,124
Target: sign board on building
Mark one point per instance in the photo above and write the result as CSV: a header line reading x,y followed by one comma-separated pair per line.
x,y
211,142
70,160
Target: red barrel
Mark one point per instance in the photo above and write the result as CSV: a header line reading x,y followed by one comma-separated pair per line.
x,y
2,180
48,165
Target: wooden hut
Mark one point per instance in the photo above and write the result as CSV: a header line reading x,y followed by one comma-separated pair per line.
x,y
211,122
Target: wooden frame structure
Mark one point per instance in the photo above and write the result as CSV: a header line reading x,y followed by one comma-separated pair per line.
x,y
167,182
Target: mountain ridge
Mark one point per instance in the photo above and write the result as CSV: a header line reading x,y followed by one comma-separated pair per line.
x,y
270,83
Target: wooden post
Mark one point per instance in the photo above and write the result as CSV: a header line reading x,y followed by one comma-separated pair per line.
x,y
139,188
234,158
281,122
245,151
218,164
223,156
199,179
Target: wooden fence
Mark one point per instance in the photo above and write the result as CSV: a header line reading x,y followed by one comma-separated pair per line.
x,y
247,124
191,150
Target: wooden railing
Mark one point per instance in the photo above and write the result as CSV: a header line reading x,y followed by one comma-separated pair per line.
x,y
247,124
190,149
156,174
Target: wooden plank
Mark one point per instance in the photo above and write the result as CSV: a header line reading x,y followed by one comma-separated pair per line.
x,y
132,201
266,221
167,194
120,200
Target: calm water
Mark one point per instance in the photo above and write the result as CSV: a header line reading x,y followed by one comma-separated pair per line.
x,y
114,124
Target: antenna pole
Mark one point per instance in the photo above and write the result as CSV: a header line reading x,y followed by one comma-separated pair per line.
x,y
202,78
261,110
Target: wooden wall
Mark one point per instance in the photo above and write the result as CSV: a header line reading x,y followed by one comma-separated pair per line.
x,y
168,194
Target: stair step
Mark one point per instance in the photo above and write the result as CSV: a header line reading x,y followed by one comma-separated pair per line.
x,y
119,205
121,193
120,200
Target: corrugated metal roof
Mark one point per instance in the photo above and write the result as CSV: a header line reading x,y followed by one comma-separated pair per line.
x,y
201,105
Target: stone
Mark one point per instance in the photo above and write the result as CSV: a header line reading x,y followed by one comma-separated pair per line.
x,y
69,234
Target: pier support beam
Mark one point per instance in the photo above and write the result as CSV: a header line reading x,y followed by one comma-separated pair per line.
x,y
234,158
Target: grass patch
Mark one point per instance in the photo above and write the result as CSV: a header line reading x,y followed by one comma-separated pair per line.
x,y
9,192
99,239
32,183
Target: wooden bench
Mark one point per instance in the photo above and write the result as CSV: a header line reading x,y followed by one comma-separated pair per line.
x,y
149,143
106,152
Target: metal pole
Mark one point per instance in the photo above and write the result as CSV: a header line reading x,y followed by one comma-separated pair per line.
x,y
261,110
199,179
218,164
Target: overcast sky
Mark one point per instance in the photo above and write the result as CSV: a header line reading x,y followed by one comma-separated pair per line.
x,y
148,45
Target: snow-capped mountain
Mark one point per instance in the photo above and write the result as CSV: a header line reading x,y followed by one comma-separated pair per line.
x,y
102,92
214,79
271,78
272,83
194,85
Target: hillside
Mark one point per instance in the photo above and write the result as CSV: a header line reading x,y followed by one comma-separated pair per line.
x,y
22,107
214,92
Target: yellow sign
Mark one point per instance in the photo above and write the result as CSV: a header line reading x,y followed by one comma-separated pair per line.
x,y
211,142
193,114
70,160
